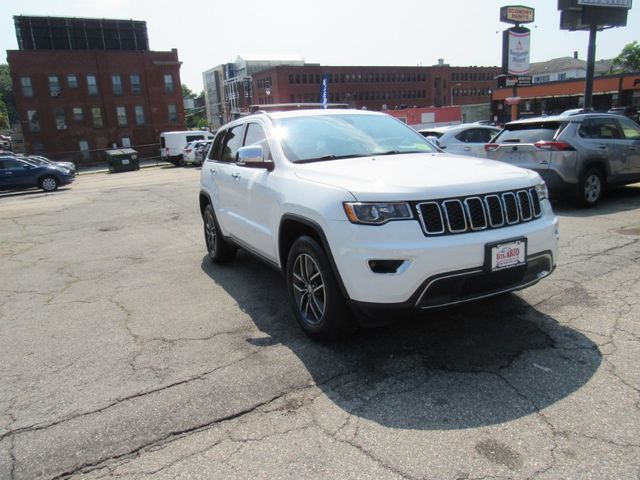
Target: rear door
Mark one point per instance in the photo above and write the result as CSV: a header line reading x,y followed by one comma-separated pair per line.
x,y
631,132
602,139
471,141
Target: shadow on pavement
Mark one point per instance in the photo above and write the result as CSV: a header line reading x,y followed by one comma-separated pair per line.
x,y
32,192
479,364
615,200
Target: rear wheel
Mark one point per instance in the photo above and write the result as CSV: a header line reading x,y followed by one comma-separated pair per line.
x,y
49,183
220,251
590,188
315,298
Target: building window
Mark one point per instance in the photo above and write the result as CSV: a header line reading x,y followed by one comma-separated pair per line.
x,y
78,114
27,88
96,117
168,83
562,76
84,149
136,88
173,113
139,111
92,85
54,85
121,114
116,84
34,121
58,114
126,142
72,81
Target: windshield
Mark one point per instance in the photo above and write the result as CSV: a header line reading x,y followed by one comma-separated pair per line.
x,y
330,137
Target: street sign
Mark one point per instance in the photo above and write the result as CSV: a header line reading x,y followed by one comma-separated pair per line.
x,y
524,80
517,14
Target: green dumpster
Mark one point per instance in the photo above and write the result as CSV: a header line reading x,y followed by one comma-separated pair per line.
x,y
122,160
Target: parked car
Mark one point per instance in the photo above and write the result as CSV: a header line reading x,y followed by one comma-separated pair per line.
x,y
628,111
16,173
172,144
463,139
201,152
363,215
193,153
580,154
44,160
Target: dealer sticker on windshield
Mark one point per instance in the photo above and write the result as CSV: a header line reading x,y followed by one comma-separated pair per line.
x,y
507,255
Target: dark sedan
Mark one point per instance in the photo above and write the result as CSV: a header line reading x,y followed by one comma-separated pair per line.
x,y
16,174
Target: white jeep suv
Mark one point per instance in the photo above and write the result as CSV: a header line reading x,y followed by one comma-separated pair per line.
x,y
364,217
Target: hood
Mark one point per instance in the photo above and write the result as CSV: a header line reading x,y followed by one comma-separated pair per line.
x,y
417,176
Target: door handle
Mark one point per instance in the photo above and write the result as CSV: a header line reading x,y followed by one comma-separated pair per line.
x,y
235,176
466,149
9,173
601,147
633,148
213,171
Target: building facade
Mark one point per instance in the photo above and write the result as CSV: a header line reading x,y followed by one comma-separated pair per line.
x,y
84,85
375,87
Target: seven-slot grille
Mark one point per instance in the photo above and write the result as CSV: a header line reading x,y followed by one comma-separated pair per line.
x,y
479,212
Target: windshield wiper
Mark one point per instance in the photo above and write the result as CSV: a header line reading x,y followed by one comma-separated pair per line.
x,y
397,152
331,156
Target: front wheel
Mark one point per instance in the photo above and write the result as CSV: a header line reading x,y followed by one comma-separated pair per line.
x,y
49,184
590,188
315,298
220,251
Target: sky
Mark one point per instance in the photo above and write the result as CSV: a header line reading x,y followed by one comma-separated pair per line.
x,y
208,33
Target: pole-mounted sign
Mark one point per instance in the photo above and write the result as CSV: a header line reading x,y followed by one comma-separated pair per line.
x,y
517,14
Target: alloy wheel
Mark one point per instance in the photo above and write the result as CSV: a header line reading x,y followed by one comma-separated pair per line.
x,y
49,184
308,289
211,233
592,188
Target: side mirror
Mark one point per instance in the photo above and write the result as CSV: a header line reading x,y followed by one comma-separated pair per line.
x,y
252,156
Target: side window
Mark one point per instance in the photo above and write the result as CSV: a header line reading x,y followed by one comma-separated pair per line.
x,y
216,150
631,129
255,136
601,129
232,142
10,164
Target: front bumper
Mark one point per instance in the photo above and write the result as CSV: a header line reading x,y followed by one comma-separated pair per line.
x,y
429,260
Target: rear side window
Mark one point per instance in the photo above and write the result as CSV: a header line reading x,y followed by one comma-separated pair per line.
x,y
529,133
232,142
476,135
162,143
191,138
600,128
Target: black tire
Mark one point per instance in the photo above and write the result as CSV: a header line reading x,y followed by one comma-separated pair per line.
x,y
220,251
49,183
316,300
590,188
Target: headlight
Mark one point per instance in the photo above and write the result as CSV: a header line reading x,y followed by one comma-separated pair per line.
x,y
542,191
376,213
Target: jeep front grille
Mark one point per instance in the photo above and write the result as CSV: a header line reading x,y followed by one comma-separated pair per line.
x,y
479,212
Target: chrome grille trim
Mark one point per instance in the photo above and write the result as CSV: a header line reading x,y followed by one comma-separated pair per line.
x,y
422,222
524,215
446,214
509,219
535,203
468,211
486,202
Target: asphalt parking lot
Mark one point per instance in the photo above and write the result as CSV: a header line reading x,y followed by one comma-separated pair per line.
x,y
125,353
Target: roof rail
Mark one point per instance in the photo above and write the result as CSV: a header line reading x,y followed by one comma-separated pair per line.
x,y
293,106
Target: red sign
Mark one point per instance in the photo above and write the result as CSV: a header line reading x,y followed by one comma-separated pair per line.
x,y
517,14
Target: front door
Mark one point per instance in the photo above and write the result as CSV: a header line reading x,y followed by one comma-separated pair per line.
x,y
631,132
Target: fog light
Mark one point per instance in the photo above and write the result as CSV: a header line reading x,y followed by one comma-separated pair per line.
x,y
385,266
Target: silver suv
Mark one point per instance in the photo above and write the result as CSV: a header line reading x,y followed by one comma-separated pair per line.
x,y
578,154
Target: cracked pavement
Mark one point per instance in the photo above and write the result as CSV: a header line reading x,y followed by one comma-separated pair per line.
x,y
124,353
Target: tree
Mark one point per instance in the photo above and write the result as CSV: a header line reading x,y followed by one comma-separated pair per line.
x,y
7,96
187,92
4,115
629,59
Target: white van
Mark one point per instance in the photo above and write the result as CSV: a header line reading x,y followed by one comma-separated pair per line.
x,y
173,143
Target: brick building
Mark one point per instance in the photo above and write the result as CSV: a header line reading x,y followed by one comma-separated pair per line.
x,y
375,87
85,85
